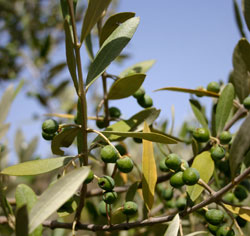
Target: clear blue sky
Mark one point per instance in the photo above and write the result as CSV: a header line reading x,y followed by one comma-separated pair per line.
x,y
192,42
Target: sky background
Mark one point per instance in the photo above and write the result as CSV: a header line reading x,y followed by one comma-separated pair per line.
x,y
192,42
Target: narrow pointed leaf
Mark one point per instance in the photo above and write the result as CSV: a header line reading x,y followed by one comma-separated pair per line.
x,y
149,172
36,167
22,221
197,92
150,136
53,197
198,113
141,67
70,56
89,47
135,123
174,226
64,139
205,165
246,12
237,15
197,233
241,64
112,23
132,191
126,86
224,106
111,48
92,15
243,211
5,103
240,146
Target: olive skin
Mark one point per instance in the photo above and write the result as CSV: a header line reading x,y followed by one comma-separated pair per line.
x,y
225,231
100,124
109,154
139,93
201,135
167,194
176,180
162,166
47,136
246,103
225,137
109,197
214,216
121,149
106,182
90,177
173,161
217,152
145,101
130,208
213,87
240,192
190,176
125,164
181,203
50,126
114,112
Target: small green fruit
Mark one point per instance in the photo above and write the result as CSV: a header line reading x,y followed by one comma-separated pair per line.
x,y
225,231
90,177
102,208
190,176
50,126
137,140
162,166
114,112
240,192
213,228
213,87
246,103
109,197
214,216
145,101
139,93
173,161
109,154
125,164
184,164
229,197
217,152
225,137
201,135
167,194
170,204
129,208
121,149
181,203
201,88
106,182
100,123
47,136
176,180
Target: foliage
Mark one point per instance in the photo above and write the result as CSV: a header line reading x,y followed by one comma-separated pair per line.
x,y
106,184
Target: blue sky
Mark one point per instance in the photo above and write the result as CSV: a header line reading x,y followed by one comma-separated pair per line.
x,y
192,42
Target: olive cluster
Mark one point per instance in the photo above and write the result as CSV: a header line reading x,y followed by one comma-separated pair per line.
x,y
49,129
114,113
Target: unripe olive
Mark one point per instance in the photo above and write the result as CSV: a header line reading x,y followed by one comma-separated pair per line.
x,y
129,208
125,164
48,137
214,216
246,103
201,135
181,203
167,194
213,228
114,112
100,123
90,177
109,154
139,93
170,204
201,88
162,166
173,161
184,164
225,137
240,192
190,176
176,180
121,149
225,231
109,197
50,126
217,152
145,101
229,197
106,182
213,87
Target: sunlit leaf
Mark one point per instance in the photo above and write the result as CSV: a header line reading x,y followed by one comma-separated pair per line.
x,y
70,56
64,139
5,103
111,48
36,167
174,226
93,14
240,75
243,211
205,165
53,197
112,23
198,113
240,146
238,18
149,172
224,106
246,12
197,92
89,47
22,221
141,67
126,86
